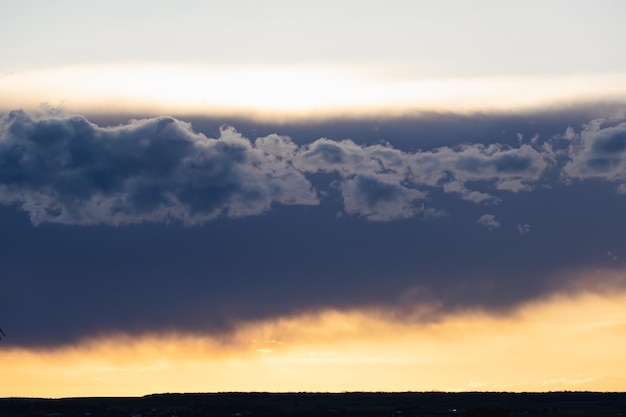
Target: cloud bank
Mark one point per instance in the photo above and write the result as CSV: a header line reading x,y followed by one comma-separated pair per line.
x,y
70,171
65,169
501,220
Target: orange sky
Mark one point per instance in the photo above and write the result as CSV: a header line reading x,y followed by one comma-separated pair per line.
x,y
563,343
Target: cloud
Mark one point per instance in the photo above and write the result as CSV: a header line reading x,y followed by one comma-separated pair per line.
x,y
68,170
287,253
469,195
598,151
374,179
65,169
489,221
453,170
379,200
456,170
353,344
523,229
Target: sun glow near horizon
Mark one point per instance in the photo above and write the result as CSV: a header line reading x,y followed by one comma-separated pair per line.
x,y
292,91
564,343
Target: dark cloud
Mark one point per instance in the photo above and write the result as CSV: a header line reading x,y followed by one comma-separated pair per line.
x,y
267,240
68,170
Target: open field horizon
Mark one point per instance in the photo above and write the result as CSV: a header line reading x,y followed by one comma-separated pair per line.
x,y
371,404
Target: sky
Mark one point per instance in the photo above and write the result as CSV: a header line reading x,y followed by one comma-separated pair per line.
x,y
312,196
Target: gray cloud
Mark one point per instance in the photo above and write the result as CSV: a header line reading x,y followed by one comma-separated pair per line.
x,y
598,151
509,169
378,199
454,170
286,251
68,170
489,221
65,169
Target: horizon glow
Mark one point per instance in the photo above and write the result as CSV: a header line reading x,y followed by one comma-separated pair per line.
x,y
292,92
572,343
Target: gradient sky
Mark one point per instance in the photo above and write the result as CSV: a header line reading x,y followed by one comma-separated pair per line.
x,y
280,196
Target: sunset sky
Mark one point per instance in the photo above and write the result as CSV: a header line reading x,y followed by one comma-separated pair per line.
x,y
312,196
